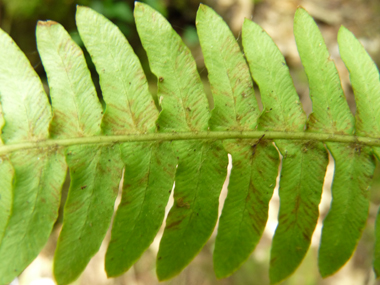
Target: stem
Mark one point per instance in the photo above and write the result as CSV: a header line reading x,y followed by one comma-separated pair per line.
x,y
210,135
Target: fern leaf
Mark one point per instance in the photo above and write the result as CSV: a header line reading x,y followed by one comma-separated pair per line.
x,y
202,165
347,217
235,106
77,112
150,167
95,173
25,106
349,208
38,173
148,180
139,191
185,143
130,107
282,109
303,165
331,113
245,210
365,81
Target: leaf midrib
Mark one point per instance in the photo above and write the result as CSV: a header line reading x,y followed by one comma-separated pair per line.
x,y
204,135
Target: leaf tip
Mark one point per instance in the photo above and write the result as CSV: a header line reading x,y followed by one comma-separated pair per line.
x,y
344,34
140,5
47,23
165,271
203,7
81,8
302,15
301,9
220,275
326,269
343,29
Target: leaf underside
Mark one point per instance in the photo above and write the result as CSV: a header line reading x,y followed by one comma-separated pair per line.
x,y
31,178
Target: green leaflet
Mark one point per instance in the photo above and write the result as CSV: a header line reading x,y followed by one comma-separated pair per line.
x,y
39,176
38,173
76,108
148,179
342,227
25,106
180,90
201,165
346,219
130,107
235,107
245,211
304,164
95,173
282,108
199,179
365,81
331,113
302,175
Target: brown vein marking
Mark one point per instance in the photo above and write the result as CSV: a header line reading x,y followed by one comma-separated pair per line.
x,y
306,236
258,222
175,223
273,260
182,204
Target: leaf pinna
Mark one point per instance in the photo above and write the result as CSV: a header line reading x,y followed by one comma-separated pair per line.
x,y
185,144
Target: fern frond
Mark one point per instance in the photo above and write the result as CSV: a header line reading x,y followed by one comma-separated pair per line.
x,y
349,208
185,143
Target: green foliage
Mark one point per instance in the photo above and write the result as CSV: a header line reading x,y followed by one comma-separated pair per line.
x,y
185,143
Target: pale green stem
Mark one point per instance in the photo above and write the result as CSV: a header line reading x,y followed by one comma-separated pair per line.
x,y
212,135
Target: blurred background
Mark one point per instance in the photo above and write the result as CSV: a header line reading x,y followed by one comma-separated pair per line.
x,y
362,17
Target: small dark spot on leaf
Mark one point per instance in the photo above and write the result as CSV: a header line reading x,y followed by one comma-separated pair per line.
x,y
83,187
161,79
